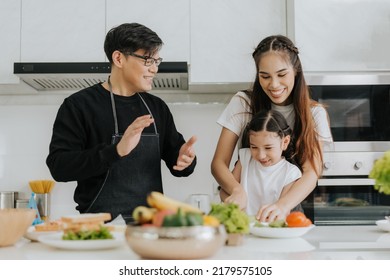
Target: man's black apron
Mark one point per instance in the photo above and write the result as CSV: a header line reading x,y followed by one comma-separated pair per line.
x,y
129,180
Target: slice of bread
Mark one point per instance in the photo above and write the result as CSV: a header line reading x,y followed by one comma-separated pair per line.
x,y
49,226
84,222
87,218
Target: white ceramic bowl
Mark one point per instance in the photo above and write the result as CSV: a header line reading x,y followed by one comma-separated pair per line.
x,y
14,223
383,225
193,242
283,232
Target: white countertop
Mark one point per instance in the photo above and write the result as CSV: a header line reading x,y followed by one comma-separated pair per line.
x,y
321,243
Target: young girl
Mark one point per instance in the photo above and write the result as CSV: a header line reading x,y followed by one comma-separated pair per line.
x,y
279,85
264,169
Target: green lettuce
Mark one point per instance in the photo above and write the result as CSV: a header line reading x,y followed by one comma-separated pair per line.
x,y
381,173
230,215
102,233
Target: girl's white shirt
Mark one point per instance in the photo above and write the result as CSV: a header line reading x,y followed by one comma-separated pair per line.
x,y
236,116
264,184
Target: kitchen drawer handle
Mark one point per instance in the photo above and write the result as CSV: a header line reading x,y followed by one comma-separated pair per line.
x,y
346,182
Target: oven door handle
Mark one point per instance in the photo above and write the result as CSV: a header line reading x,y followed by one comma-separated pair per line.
x,y
346,182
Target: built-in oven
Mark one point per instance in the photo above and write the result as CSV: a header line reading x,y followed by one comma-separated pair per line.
x,y
344,194
358,105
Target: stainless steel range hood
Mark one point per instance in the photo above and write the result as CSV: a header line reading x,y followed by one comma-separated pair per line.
x,y
51,76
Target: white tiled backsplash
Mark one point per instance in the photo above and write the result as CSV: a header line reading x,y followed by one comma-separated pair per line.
x,y
25,132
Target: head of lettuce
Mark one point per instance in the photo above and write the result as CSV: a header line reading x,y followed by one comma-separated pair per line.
x,y
381,173
230,215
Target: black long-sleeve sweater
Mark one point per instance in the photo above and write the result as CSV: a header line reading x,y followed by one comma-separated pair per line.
x,y
81,149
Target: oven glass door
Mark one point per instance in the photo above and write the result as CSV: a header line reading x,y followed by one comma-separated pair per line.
x,y
349,201
356,112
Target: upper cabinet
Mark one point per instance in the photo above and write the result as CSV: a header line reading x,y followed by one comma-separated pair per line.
x,y
170,19
10,39
224,33
68,31
216,37
342,35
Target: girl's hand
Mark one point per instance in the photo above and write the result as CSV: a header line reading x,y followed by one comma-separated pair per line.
x,y
272,212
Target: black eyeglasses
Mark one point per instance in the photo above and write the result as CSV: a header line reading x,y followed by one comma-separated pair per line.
x,y
148,60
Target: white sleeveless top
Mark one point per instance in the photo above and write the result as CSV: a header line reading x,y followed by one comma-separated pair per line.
x,y
264,184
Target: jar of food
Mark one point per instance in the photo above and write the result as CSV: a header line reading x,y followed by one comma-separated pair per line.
x,y
21,203
7,199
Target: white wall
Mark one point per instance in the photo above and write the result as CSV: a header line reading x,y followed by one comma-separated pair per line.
x,y
25,132
199,120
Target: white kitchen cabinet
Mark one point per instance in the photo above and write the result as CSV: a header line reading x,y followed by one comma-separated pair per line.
x,y
67,31
342,35
170,19
10,39
224,33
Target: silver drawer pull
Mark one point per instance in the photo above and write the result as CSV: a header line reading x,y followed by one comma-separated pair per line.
x,y
346,182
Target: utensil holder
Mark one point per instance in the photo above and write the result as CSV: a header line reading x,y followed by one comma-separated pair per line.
x,y
43,201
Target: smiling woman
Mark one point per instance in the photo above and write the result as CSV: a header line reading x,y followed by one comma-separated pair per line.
x,y
279,85
276,78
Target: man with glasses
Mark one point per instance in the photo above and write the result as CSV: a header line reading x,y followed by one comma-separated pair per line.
x,y
112,136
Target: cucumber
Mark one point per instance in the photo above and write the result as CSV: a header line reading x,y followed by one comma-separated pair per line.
x,y
278,224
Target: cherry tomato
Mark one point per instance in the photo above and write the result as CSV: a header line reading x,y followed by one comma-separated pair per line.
x,y
308,223
297,219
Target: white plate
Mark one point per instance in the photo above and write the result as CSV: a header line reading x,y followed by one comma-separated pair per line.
x,y
284,232
55,240
383,225
33,235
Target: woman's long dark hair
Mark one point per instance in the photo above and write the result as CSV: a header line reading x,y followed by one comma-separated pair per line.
x,y
305,138
271,121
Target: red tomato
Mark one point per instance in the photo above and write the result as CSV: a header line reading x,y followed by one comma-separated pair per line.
x,y
297,219
158,218
308,223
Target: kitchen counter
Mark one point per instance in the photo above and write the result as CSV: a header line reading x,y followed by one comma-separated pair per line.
x,y
321,243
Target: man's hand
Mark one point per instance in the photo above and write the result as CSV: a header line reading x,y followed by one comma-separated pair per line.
x,y
132,135
186,155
